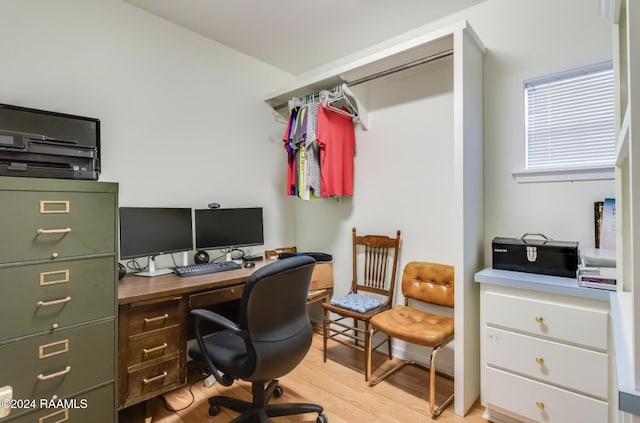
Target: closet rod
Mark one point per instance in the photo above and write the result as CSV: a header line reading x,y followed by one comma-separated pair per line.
x,y
390,71
399,68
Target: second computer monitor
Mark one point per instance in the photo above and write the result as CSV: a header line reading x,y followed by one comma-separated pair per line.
x,y
228,228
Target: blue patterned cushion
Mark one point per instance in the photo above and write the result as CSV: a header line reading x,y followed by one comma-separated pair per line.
x,y
358,302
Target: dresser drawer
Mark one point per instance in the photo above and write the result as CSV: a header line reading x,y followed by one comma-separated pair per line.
x,y
540,402
157,378
95,406
44,225
60,293
571,367
561,321
145,317
60,363
152,346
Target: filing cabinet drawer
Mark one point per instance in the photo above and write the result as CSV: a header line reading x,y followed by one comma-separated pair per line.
x,y
61,363
561,321
44,225
548,361
215,296
150,379
149,316
95,406
540,402
61,293
151,346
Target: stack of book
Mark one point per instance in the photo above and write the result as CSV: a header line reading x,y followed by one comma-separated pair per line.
x,y
597,268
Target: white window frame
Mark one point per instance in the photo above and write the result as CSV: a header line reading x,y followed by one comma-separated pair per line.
x,y
563,173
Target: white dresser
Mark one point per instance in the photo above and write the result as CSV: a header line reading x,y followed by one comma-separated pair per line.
x,y
545,349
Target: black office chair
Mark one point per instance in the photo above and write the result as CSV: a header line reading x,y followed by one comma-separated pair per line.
x,y
271,338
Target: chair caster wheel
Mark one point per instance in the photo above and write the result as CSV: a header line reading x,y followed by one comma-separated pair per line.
x,y
214,410
278,391
322,418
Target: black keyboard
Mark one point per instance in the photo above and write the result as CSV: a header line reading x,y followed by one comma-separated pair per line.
x,y
204,268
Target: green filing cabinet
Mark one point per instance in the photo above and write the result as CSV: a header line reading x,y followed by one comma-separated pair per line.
x,y
58,300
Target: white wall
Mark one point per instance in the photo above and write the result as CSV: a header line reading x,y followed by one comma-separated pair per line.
x,y
183,118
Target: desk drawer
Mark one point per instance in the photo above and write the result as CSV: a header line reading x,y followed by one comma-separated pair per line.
x,y
540,402
159,377
145,317
152,346
215,296
565,322
63,224
322,276
61,292
60,363
574,368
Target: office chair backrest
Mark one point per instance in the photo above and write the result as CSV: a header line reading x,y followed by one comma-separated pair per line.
x,y
273,311
429,282
375,252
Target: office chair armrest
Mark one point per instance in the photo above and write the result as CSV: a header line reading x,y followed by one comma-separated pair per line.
x,y
202,314
210,316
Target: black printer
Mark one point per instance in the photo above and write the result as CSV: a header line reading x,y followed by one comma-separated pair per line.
x,y
44,144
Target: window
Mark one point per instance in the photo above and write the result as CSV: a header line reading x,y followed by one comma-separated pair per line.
x,y
569,120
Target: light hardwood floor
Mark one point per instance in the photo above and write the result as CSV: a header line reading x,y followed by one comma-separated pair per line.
x,y
338,385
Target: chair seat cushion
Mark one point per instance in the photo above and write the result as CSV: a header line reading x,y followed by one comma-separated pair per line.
x,y
358,302
415,326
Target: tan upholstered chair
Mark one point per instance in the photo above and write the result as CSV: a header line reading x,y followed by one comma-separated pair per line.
x,y
427,283
375,261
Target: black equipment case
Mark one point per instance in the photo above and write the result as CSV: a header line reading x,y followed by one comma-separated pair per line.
x,y
530,255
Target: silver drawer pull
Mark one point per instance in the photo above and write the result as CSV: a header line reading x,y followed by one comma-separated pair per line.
x,y
60,415
53,231
155,319
155,378
146,351
54,375
54,302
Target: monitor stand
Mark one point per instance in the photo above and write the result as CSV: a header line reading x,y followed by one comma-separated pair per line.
x,y
152,269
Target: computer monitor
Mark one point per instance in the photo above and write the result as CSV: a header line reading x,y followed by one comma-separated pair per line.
x,y
228,228
152,231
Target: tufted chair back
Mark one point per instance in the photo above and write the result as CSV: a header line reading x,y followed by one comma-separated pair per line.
x,y
428,282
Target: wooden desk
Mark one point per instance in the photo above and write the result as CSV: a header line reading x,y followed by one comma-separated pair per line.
x,y
154,318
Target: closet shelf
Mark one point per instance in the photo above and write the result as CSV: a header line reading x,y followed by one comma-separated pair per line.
x,y
412,52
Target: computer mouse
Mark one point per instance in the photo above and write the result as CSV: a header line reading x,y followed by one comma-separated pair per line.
x,y
249,264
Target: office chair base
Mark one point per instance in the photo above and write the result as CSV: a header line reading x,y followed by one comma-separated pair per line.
x,y
259,409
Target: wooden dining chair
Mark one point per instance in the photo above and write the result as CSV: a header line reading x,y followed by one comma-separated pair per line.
x,y
346,319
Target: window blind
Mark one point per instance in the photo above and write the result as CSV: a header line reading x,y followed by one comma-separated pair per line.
x,y
570,119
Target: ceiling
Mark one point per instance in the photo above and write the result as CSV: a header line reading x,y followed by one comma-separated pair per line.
x,y
300,35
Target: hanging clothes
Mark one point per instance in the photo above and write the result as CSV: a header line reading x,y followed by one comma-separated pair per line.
x,y
337,142
320,145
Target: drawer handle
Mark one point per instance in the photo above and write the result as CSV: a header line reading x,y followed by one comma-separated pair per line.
x,y
61,415
155,378
53,231
155,319
540,360
54,375
540,405
54,302
539,319
146,351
